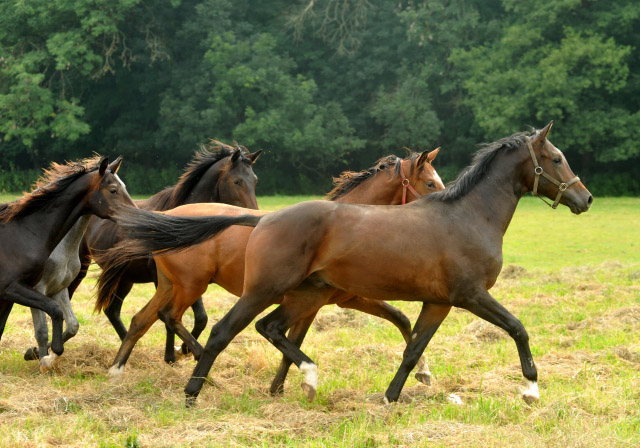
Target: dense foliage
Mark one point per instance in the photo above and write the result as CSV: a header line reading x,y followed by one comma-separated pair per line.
x,y
321,85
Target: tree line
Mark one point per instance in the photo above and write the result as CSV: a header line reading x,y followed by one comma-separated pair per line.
x,y
320,85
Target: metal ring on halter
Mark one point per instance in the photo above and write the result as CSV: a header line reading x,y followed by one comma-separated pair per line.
x,y
538,170
405,182
563,186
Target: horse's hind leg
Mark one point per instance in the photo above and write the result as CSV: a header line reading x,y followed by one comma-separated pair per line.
x,y
276,323
71,326
171,314
200,319
200,323
222,333
85,261
140,324
112,311
41,332
483,305
396,317
430,318
296,335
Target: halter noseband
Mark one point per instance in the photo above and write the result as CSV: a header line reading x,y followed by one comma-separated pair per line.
x,y
539,171
407,185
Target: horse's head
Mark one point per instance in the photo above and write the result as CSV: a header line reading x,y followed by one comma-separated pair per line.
x,y
549,174
107,192
237,181
421,174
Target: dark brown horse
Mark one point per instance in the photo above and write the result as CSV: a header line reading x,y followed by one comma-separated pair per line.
x,y
32,226
184,276
446,250
219,173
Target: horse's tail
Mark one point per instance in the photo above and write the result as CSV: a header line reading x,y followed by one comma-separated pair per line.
x,y
114,263
159,233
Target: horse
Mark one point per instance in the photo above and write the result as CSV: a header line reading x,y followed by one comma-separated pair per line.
x,y
32,227
217,173
184,276
446,250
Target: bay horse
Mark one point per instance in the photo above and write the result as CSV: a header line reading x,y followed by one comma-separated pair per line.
x,y
184,276
217,173
32,226
446,250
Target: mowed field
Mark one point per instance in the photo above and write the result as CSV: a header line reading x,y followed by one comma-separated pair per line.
x,y
574,281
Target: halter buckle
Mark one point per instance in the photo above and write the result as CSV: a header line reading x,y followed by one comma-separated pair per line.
x,y
538,170
563,186
405,182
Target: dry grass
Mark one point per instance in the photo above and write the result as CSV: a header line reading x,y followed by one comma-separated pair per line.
x,y
584,324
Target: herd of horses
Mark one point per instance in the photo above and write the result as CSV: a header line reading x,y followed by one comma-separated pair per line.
x,y
391,232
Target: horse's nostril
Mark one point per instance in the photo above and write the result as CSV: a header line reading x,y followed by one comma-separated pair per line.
x,y
590,200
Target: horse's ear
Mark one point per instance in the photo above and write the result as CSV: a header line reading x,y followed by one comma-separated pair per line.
x,y
104,164
115,165
544,132
432,155
424,158
236,156
255,156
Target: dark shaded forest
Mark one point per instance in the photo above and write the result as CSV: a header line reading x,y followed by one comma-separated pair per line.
x,y
320,85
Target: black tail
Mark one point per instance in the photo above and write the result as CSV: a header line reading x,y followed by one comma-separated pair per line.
x,y
114,262
155,232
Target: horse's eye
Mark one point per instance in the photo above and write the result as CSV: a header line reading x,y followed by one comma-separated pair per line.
x,y
431,184
557,160
237,181
113,191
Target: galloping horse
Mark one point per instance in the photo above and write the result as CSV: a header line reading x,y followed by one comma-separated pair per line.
x,y
32,226
446,250
184,276
218,173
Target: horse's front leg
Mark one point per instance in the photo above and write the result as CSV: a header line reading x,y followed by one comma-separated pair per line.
x,y
483,305
41,332
5,310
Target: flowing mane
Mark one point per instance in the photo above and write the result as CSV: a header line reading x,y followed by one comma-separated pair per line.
x,y
482,161
349,180
204,159
49,186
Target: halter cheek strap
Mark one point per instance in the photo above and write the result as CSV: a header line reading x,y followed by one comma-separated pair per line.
x,y
539,171
406,185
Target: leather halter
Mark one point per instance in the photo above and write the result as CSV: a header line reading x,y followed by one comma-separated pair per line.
x,y
406,185
539,171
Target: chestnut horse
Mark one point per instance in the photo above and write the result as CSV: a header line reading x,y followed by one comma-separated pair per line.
x,y
446,250
32,226
217,173
184,276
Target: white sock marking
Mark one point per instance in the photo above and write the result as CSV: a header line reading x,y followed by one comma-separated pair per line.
x,y
310,372
532,390
115,371
453,398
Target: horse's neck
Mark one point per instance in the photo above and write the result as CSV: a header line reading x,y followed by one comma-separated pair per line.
x,y
206,190
378,190
495,198
53,221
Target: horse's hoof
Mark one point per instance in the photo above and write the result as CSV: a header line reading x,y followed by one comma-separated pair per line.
x,y
386,401
190,402
31,354
424,378
184,348
309,391
115,372
531,394
277,389
46,363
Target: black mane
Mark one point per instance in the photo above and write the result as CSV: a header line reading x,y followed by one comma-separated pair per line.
x,y
349,180
204,159
482,161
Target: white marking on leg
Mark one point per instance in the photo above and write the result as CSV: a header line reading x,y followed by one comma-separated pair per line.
x,y
453,398
115,371
386,400
310,372
531,393
46,362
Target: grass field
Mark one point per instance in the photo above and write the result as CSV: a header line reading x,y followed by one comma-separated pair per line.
x,y
574,281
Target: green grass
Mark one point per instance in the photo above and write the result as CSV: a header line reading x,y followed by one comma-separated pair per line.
x,y
575,287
